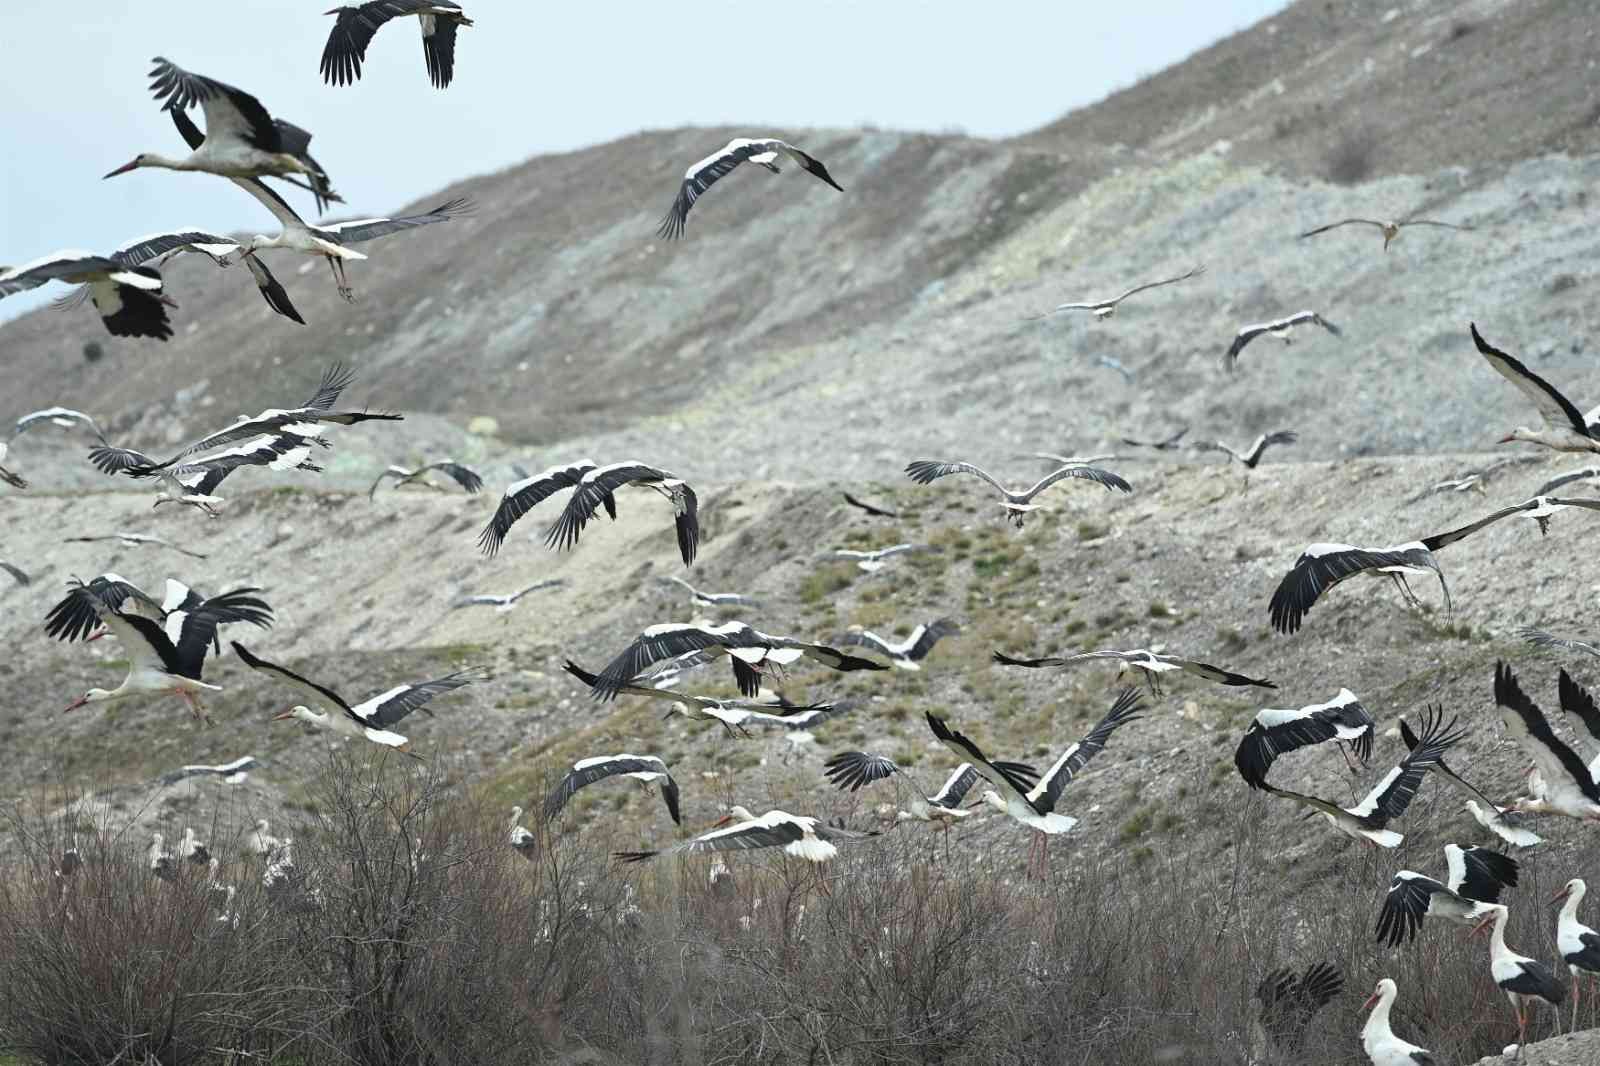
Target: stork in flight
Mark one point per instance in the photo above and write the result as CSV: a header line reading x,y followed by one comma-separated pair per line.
x,y
734,715
1034,804
799,836
346,49
133,540
1104,309
506,603
129,299
371,719
1390,229
1288,1003
1279,328
164,657
1274,733
1565,429
60,417
853,769
751,652
1322,566
1165,444
907,654
1369,820
229,773
468,479
242,140
1252,455
645,769
714,599
1539,638
874,560
713,168
1017,503
1503,823
15,480
1560,781
1152,663
1475,879
871,509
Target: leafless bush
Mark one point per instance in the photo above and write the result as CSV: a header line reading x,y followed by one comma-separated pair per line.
x,y
1352,156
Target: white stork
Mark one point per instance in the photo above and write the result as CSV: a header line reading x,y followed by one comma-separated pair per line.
x,y
1034,804
1565,428
1288,1003
750,652
1252,455
1525,981
60,417
853,769
242,140
1104,309
1578,944
505,603
1017,503
1152,663
155,249
467,478
520,837
1389,228
876,559
1588,473
798,835
1274,732
133,540
358,23
1369,820
192,849
75,618
160,859
1279,328
1539,638
261,843
1379,1041
128,299
1507,825
645,769
714,599
163,657
908,653
597,488
230,773
368,720
1322,566
1560,782
871,509
734,715
16,481
1165,444
713,168
333,242
1475,879
526,493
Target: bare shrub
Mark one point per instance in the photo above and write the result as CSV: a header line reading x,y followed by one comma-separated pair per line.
x,y
1351,158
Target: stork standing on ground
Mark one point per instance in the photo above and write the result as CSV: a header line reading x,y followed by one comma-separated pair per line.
x,y
1390,229
242,140
347,44
160,859
1525,981
1475,879
192,849
520,837
713,168
1565,428
1578,944
1034,804
1379,1041
645,769
1153,665
1016,503
1279,328
1104,309
164,657
371,719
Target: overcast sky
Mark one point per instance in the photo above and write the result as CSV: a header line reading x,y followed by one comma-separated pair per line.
x,y
532,76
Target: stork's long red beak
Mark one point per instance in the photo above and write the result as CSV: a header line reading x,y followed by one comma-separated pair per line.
x,y
1371,1002
1506,440
75,704
1559,896
169,301
97,635
286,714
123,169
720,822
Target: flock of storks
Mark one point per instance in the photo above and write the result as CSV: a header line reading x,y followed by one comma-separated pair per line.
x,y
167,640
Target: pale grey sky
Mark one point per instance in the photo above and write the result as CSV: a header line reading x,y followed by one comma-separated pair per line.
x,y
532,76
